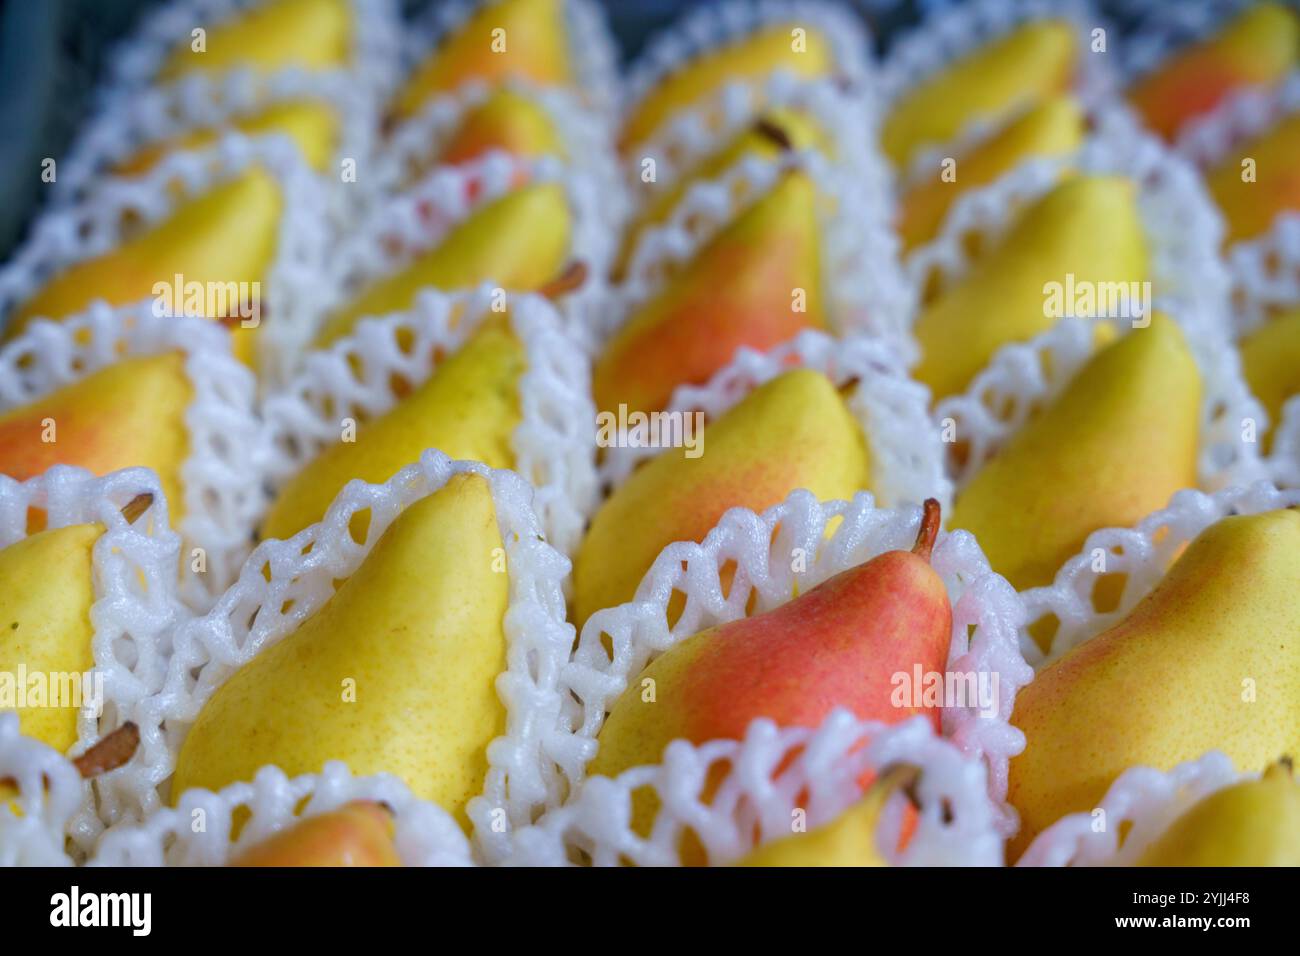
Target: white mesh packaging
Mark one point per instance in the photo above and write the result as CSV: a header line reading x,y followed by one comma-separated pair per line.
x,y
50,796
121,207
425,834
761,783
281,586
222,474
355,378
1162,28
135,611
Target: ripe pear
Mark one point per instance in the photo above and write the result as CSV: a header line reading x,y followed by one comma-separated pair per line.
x,y
837,645
991,84
519,241
1202,663
1053,128
130,413
1256,48
1253,823
1270,360
1087,226
395,674
751,58
792,432
509,121
519,39
468,408
1249,207
756,283
1112,448
359,833
308,34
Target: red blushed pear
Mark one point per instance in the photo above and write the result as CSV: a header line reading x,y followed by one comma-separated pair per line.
x,y
1251,203
357,834
1255,49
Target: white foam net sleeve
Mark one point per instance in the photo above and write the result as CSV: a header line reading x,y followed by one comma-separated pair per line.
x,y
891,409
279,575
221,477
197,831
1242,115
1140,805
121,206
554,443
1285,459
593,53
135,610
765,779
617,643
50,795
1142,554
136,62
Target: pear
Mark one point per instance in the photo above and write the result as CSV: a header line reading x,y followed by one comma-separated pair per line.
x,y
1053,128
1202,663
508,121
1088,227
740,289
416,631
308,34
1270,359
468,408
749,59
519,241
1256,48
1112,448
506,39
1253,823
1249,207
792,432
991,84
848,840
359,833
126,414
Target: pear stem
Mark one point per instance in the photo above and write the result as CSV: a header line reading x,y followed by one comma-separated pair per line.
x,y
573,277
929,530
765,127
137,506
107,753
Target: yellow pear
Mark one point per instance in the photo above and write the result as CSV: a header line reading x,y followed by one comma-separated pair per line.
x,y
1203,662
1270,359
468,409
994,82
502,39
1253,823
359,833
1087,228
792,432
1112,448
395,674
519,241
805,54
310,34
509,121
1250,204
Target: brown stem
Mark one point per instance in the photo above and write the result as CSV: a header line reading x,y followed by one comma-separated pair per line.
x,y
106,754
137,506
573,277
765,127
928,531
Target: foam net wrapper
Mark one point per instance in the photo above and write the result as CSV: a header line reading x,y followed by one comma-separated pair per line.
x,y
553,444
211,648
135,609
121,207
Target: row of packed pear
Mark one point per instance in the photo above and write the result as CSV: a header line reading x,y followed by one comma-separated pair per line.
x,y
760,240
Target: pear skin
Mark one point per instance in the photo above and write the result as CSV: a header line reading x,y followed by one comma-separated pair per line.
x,y
46,590
1053,128
520,241
739,290
1249,208
357,834
1112,448
468,408
1253,823
1270,360
1088,226
519,39
751,58
1256,48
992,84
416,631
309,34
792,432
130,413
1202,663
506,121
